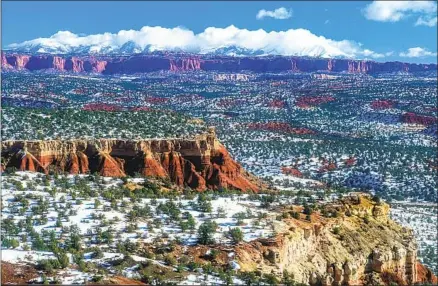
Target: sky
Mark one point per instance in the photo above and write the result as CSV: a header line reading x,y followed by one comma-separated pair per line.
x,y
383,31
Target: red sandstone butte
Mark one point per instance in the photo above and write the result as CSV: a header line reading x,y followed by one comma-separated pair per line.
x,y
199,163
109,166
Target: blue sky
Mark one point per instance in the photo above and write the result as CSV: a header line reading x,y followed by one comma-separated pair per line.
x,y
391,35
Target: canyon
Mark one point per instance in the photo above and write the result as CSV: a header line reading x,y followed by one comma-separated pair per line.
x,y
200,163
187,62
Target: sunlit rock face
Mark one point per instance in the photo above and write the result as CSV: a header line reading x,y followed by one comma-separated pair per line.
x,y
178,63
199,163
367,248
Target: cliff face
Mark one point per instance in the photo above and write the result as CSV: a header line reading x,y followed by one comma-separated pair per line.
x,y
149,63
360,246
199,163
185,64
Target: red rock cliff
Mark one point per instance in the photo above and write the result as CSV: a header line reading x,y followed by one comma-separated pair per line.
x,y
5,64
181,62
199,163
18,61
185,64
59,63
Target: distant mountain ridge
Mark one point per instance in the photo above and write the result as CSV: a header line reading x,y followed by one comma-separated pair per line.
x,y
130,47
130,63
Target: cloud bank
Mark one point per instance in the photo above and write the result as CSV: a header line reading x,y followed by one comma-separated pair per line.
x,y
394,11
297,42
417,52
280,13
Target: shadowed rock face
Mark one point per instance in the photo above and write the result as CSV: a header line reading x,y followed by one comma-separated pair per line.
x,y
199,163
148,63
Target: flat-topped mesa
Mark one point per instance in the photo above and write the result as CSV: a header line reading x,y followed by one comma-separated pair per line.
x,y
200,163
359,246
180,63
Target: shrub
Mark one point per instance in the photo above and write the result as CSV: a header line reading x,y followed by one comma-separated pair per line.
x,y
97,253
10,243
214,253
170,260
377,199
64,260
48,265
236,235
295,215
307,210
205,233
366,219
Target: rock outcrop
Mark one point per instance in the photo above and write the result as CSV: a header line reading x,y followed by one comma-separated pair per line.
x,y
361,245
199,163
183,62
5,64
413,118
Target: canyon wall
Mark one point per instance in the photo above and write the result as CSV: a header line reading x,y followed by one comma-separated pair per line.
x,y
200,163
359,246
151,63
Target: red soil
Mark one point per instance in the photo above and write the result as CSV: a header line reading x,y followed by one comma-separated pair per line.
x,y
101,107
279,127
410,117
310,101
291,171
277,103
382,104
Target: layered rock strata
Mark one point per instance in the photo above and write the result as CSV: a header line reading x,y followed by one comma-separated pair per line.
x,y
199,163
359,246
164,62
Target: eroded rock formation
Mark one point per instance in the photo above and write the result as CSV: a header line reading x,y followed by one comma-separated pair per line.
x,y
412,118
360,246
183,62
199,163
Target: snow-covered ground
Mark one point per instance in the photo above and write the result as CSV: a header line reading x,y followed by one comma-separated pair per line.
x,y
80,202
422,217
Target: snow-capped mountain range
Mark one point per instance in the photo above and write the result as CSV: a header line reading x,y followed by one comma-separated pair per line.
x,y
131,47
229,41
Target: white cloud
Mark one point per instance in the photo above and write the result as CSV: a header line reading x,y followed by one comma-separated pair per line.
x,y
280,13
297,42
394,11
369,53
417,52
423,21
326,22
